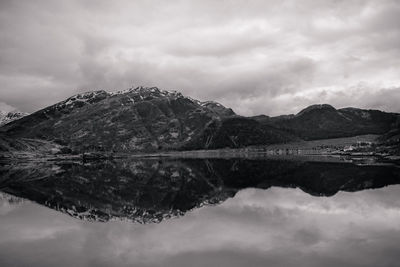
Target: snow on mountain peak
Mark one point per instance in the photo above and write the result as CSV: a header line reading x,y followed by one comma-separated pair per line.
x,y
143,91
6,117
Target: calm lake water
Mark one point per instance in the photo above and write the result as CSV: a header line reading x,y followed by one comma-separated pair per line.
x,y
199,212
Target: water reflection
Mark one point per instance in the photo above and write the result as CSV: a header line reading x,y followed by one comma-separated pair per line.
x,y
150,190
274,227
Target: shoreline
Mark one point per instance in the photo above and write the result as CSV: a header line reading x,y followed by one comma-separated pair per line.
x,y
362,147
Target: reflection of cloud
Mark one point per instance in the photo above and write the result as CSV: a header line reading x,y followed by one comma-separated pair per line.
x,y
275,227
23,223
257,57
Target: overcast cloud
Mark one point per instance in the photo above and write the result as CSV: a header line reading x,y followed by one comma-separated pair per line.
x,y
270,57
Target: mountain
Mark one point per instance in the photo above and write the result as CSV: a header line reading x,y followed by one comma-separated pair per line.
x,y
7,117
149,119
137,119
324,121
151,190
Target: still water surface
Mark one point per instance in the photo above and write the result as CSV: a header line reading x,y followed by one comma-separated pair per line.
x,y
192,212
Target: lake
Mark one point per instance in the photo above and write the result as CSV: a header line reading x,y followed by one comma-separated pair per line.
x,y
200,212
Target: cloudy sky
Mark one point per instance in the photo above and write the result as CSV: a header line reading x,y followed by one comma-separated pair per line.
x,y
271,57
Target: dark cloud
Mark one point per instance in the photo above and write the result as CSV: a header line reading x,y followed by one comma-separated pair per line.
x,y
256,56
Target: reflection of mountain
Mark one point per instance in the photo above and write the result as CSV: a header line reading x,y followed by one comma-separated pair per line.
x,y
153,189
7,199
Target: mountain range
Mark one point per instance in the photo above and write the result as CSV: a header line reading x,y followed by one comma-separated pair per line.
x,y
150,119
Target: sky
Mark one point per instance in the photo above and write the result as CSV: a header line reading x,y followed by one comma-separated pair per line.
x,y
258,56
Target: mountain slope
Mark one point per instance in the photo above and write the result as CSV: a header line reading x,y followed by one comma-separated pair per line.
x,y
238,132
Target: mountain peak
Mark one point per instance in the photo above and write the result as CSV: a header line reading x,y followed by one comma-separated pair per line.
x,y
148,91
316,107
